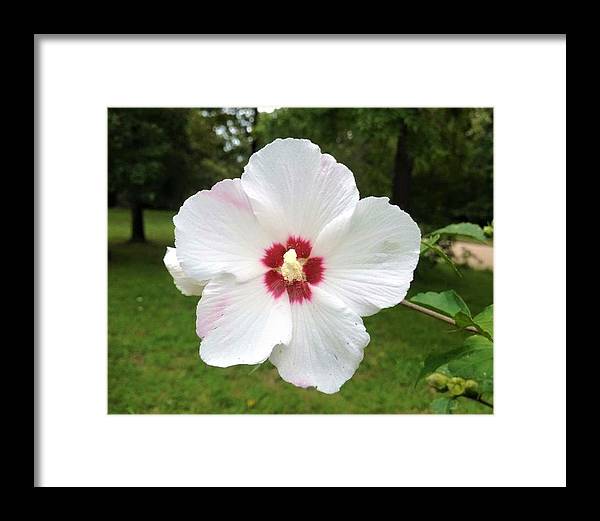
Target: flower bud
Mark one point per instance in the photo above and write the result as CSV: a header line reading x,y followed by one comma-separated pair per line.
x,y
456,386
471,385
438,381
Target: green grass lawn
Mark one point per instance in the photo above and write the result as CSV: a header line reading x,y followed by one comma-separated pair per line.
x,y
153,362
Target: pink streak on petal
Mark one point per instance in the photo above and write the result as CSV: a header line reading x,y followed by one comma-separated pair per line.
x,y
223,193
204,323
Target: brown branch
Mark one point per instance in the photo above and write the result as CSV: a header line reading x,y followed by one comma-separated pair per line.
x,y
478,399
437,315
481,400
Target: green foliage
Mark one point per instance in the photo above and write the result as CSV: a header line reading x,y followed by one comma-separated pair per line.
x,y
464,371
221,141
148,155
443,405
485,321
471,345
450,151
447,303
161,156
429,245
450,304
339,132
477,365
469,230
488,230
435,246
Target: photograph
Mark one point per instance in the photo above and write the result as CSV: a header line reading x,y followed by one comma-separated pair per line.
x,y
292,260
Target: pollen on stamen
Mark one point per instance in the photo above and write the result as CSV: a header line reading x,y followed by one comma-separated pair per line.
x,y
291,269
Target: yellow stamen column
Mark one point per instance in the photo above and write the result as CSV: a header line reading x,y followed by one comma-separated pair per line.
x,y
291,268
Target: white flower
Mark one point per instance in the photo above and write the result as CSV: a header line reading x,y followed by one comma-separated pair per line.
x,y
293,260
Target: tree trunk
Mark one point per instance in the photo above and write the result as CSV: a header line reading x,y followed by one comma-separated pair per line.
x,y
402,173
137,223
254,146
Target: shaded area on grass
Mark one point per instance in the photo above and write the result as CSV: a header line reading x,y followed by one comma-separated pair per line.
x,y
153,362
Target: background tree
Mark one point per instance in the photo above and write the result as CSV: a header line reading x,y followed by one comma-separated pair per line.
x,y
435,163
148,159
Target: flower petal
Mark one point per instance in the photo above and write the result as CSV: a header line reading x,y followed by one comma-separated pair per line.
x,y
295,190
187,285
216,232
370,255
240,323
327,344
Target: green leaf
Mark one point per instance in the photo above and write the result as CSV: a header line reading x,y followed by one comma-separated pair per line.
x,y
485,321
473,231
475,363
443,405
447,303
429,242
487,387
478,366
450,304
471,344
478,342
426,245
463,320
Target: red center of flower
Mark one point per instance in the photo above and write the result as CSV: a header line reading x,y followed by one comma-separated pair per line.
x,y
298,290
